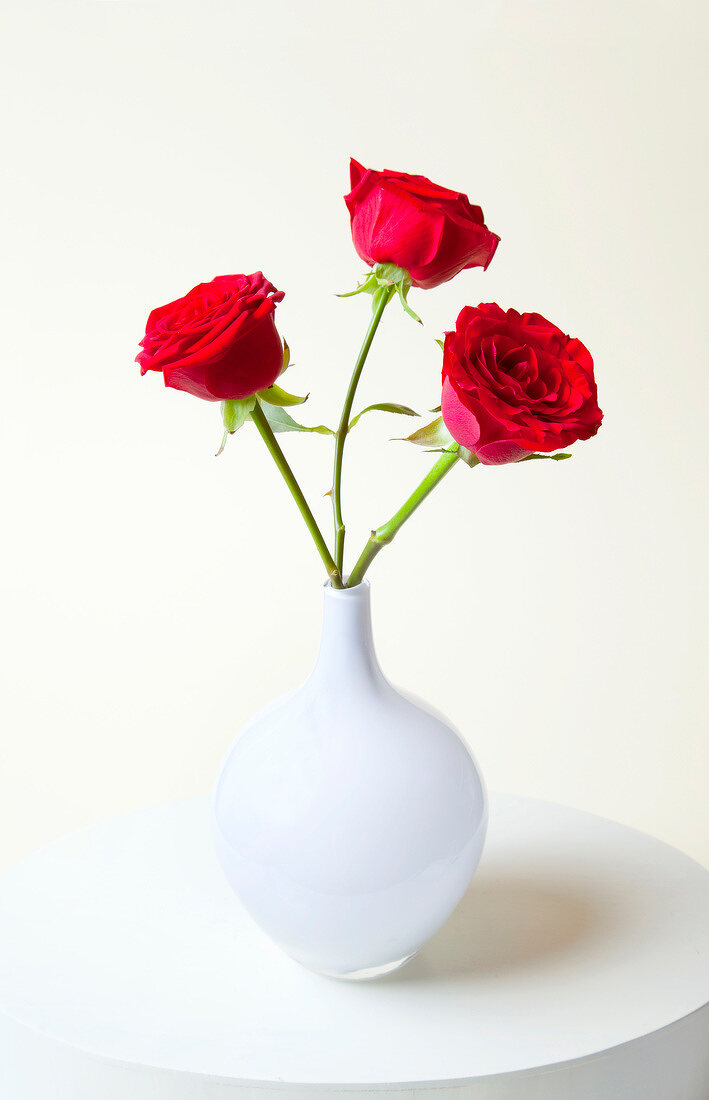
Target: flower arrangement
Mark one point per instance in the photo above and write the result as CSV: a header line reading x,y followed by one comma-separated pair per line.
x,y
514,386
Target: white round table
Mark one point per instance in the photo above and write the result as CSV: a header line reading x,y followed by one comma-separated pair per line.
x,y
577,966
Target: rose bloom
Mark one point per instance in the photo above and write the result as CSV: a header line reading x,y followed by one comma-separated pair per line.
x,y
431,232
219,342
514,384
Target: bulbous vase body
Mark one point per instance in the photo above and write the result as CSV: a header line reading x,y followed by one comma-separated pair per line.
x,y
349,819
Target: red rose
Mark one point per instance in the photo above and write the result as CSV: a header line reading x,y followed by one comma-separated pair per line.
x,y
513,383
425,229
219,342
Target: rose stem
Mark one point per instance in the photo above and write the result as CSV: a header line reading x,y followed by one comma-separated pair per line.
x,y
259,419
381,298
387,531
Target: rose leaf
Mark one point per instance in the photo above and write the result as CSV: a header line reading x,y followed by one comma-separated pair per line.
x,y
383,406
281,421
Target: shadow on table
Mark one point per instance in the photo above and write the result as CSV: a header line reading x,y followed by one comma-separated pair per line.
x,y
506,924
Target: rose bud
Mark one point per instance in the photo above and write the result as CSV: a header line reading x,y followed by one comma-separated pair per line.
x,y
427,230
219,342
514,384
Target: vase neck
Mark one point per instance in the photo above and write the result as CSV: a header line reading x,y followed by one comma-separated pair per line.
x,y
346,642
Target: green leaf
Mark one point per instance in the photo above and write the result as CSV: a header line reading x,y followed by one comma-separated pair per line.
x,y
274,395
553,458
281,421
434,434
383,406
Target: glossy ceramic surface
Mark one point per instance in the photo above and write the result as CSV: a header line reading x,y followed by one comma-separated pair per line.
x,y
349,819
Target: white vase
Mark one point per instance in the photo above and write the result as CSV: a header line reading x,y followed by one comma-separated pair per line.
x,y
349,819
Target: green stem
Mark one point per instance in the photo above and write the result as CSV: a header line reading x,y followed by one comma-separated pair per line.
x,y
387,531
379,304
266,432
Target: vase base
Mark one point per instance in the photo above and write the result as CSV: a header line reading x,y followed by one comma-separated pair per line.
x,y
367,973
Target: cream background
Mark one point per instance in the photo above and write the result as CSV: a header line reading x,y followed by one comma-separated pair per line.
x,y
154,596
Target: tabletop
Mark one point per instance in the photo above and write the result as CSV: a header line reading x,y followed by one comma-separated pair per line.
x,y
576,964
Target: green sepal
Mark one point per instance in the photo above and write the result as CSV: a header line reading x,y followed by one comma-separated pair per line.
x,y
390,274
382,276
235,413
441,345
281,421
554,458
383,406
431,435
468,457
369,285
402,288
286,356
274,395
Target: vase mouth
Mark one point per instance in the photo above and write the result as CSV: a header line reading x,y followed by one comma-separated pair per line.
x,y
347,593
